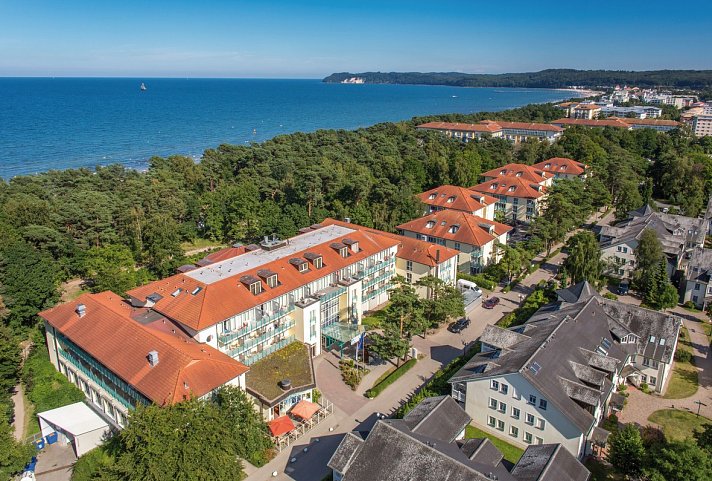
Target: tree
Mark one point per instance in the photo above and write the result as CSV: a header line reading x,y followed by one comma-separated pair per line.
x,y
181,442
248,431
443,301
13,455
649,253
404,310
626,451
584,259
681,461
162,241
111,268
390,344
703,437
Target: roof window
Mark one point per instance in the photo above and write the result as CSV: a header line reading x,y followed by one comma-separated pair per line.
x,y
430,224
535,367
196,290
433,195
453,229
512,188
176,292
451,199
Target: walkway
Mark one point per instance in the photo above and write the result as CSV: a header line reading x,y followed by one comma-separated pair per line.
x,y
640,405
18,399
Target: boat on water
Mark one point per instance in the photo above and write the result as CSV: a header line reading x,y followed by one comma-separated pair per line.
x,y
143,87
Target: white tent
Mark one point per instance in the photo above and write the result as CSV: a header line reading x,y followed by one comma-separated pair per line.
x,y
77,424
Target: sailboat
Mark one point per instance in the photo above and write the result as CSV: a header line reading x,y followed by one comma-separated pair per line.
x,y
143,87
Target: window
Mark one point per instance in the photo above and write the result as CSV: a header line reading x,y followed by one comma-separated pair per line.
x,y
491,421
454,229
409,265
432,196
697,286
272,281
625,250
318,263
542,404
515,394
409,277
502,407
643,378
652,380
541,423
514,431
528,438
532,400
500,425
619,248
539,440
450,200
457,246
503,388
494,385
492,403
430,224
529,419
515,413
256,288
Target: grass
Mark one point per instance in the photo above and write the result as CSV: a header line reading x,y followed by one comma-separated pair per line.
x,y
383,376
200,244
684,380
511,453
373,320
677,424
292,362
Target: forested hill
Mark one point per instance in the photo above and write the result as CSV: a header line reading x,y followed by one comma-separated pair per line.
x,y
551,78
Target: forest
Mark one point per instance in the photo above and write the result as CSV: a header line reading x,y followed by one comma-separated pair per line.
x,y
550,78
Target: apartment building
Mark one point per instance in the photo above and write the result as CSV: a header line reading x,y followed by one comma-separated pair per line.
x,y
313,288
620,123
428,441
585,111
563,168
513,131
121,356
474,237
453,197
553,379
638,112
519,190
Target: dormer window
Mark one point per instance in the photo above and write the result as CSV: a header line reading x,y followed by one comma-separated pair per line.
x,y
315,259
256,288
318,263
518,174
453,229
547,166
270,277
493,186
512,188
344,252
502,172
301,265
450,200
252,283
433,196
352,244
430,224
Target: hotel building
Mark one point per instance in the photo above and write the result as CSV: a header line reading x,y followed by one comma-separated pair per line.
x,y
513,131
452,197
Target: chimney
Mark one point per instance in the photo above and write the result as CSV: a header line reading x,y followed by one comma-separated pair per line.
x,y
153,358
81,310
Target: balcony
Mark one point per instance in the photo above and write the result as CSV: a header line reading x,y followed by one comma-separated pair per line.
x,y
98,380
253,358
377,279
248,344
227,337
329,293
376,267
367,296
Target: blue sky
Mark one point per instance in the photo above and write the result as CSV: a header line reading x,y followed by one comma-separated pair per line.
x,y
310,39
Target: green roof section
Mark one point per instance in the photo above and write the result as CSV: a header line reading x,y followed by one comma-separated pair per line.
x,y
293,362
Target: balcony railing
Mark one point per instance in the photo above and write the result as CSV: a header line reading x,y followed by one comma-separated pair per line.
x,y
255,341
376,280
100,382
370,295
253,358
377,266
227,337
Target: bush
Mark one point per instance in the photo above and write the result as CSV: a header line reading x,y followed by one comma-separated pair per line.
x,y
610,295
390,379
644,387
689,305
351,373
622,388
683,355
480,279
507,320
91,464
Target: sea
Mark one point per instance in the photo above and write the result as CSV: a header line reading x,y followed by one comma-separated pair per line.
x,y
61,123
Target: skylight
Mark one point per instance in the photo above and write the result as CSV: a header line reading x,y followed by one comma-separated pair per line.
x,y
535,368
430,224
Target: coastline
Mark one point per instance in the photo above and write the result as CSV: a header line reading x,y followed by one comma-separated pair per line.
x,y
584,93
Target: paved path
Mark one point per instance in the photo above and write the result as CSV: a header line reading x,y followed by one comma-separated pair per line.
x,y
18,399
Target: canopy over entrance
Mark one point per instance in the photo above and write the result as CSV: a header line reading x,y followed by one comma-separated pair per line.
x,y
341,334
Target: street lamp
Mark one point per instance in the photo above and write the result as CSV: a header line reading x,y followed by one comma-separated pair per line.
x,y
699,405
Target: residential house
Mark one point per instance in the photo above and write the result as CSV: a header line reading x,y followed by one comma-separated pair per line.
x,y
474,237
563,168
553,379
586,111
677,234
453,197
426,445
638,112
697,285
121,356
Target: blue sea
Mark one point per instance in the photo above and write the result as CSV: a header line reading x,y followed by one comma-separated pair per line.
x,y
59,123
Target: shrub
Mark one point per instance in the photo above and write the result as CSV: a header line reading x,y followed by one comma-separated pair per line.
x,y
644,387
391,378
351,373
610,295
622,388
507,320
316,395
683,355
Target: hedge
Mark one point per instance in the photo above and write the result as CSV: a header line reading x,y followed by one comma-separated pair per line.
x,y
390,379
480,279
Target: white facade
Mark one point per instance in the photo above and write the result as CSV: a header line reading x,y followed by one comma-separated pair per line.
x,y
621,258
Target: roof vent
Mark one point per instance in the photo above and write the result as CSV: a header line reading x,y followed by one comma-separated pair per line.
x,y
81,310
153,358
285,384
272,243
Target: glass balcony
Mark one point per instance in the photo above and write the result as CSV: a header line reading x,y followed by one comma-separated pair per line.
x,y
376,280
227,337
253,358
248,344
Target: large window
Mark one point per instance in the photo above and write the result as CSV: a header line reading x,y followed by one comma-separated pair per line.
x,y
330,312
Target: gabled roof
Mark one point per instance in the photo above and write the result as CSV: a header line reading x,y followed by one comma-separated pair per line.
x,y
511,187
438,417
409,249
561,165
456,198
532,126
529,173
610,122
460,127
581,291
651,122
700,265
208,295
549,462
110,335
457,226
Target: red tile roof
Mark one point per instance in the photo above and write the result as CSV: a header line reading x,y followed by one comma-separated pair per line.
x,y
522,171
587,107
561,165
469,229
416,250
511,187
610,122
667,123
534,126
214,302
109,334
457,198
221,255
460,127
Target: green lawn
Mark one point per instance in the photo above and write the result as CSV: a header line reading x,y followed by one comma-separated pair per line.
x,y
511,453
200,244
373,319
684,381
677,424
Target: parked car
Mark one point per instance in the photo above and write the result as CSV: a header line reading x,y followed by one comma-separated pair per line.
x,y
459,325
623,288
490,303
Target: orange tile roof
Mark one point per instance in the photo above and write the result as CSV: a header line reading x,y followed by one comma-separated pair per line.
x,y
522,171
561,165
587,107
470,229
201,304
222,254
109,334
460,127
524,125
667,123
609,122
416,250
462,198
503,186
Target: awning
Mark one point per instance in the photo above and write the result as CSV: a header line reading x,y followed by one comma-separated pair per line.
x,y
75,419
343,332
628,371
305,409
281,425
600,436
617,401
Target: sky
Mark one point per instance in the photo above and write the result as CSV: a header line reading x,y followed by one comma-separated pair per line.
x,y
311,39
